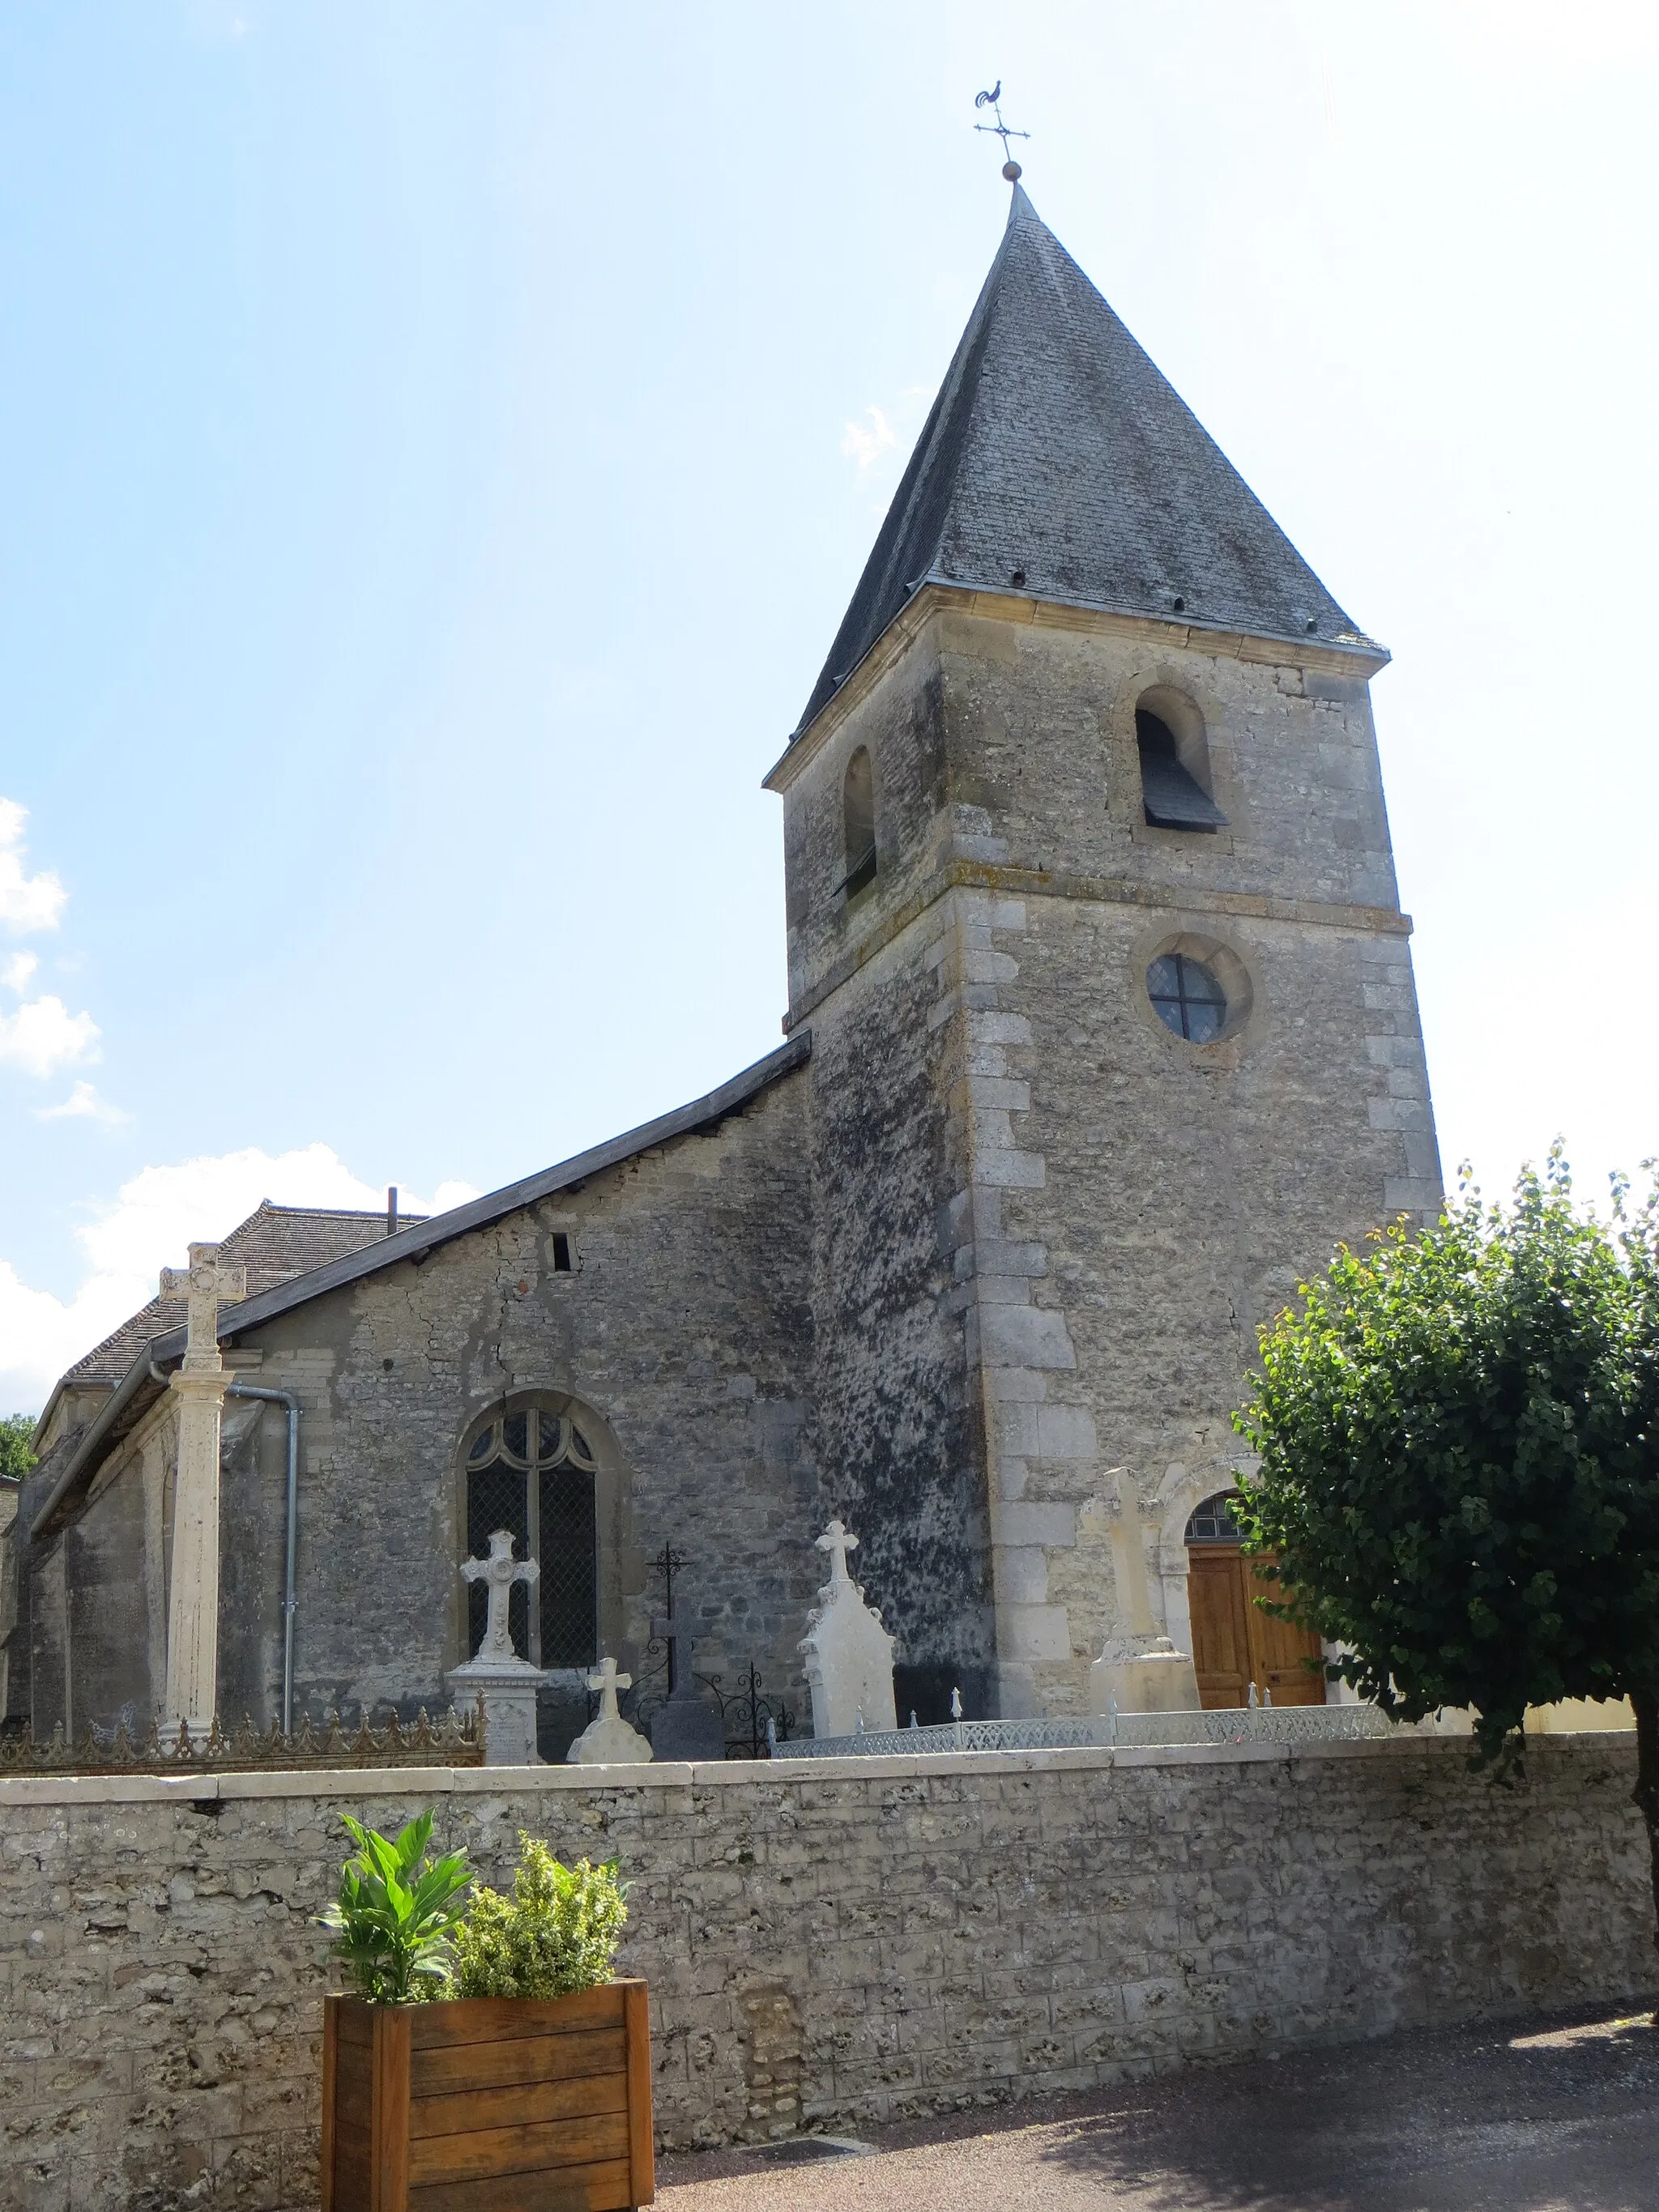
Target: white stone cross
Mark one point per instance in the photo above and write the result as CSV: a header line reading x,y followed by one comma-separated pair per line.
x,y
500,1571
838,1543
203,1284
607,1683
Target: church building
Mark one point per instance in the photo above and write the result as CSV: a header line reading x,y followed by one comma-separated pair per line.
x,y
1101,1034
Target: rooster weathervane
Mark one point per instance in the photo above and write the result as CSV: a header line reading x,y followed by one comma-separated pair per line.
x,y
993,100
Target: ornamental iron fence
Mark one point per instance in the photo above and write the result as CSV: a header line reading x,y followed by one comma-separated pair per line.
x,y
453,1740
1105,1731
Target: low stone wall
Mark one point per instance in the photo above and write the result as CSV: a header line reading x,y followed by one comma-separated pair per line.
x,y
830,1942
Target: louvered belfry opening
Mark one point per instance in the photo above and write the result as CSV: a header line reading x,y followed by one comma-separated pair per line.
x,y
532,1471
858,822
1171,794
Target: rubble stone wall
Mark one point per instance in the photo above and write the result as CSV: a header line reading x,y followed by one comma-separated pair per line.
x,y
830,1942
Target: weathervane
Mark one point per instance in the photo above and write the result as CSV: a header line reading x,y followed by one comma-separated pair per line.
x,y
999,128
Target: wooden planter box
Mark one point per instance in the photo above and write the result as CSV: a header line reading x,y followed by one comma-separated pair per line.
x,y
488,2104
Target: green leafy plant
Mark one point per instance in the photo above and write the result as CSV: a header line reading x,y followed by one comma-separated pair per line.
x,y
1458,1435
16,1459
396,1916
557,1932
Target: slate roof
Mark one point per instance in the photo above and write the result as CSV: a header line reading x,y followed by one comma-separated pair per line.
x,y
274,1244
157,1332
1059,463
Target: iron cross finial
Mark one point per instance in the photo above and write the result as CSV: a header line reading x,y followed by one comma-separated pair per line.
x,y
993,100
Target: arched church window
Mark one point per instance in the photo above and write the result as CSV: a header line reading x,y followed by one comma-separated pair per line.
x,y
1172,797
1213,1521
858,805
1186,996
531,1470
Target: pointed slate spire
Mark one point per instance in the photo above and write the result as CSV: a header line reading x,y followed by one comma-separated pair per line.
x,y
1059,463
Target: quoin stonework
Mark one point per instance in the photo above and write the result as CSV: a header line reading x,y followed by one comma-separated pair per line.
x,y
1101,1033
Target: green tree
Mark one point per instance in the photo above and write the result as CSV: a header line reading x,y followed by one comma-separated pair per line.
x,y
16,1459
1458,1435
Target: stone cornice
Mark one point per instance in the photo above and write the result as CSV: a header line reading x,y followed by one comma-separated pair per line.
x,y
1319,655
1104,890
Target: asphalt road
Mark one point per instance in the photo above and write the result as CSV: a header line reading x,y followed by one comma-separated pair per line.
x,y
1552,2114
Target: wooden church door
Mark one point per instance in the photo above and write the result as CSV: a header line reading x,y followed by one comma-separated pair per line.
x,y
1235,1643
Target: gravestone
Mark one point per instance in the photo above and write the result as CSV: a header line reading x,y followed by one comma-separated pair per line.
x,y
849,1654
688,1726
609,1740
505,1684
1140,1670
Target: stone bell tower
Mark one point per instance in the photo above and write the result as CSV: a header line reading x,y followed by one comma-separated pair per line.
x,y
1092,915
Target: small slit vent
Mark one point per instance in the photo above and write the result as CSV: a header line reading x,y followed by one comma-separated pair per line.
x,y
562,1253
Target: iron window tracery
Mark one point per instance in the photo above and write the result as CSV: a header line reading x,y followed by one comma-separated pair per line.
x,y
1189,1000
532,1471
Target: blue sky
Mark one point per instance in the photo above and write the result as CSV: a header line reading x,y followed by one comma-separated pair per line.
x,y
439,442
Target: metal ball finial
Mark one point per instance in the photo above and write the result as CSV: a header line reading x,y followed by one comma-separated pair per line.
x,y
1012,170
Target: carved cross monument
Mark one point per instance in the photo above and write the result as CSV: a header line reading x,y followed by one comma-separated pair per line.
x,y
688,1726
500,1572
607,1683
849,1654
676,1633
838,1542
608,1740
505,1684
193,1608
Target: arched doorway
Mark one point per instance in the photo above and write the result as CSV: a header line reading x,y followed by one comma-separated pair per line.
x,y
1235,1643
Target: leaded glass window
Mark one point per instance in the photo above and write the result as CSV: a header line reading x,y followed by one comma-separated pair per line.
x,y
532,1471
1213,1521
1188,999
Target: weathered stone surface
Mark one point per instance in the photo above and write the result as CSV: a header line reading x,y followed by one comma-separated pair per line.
x,y
834,1943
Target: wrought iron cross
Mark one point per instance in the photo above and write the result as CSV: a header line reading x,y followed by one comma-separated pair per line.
x,y
993,100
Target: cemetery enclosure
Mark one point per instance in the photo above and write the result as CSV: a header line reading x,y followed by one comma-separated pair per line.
x,y
825,1942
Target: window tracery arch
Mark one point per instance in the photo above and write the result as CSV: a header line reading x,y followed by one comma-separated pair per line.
x,y
530,1468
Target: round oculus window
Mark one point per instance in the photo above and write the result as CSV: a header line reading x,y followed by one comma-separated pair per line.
x,y
1189,1000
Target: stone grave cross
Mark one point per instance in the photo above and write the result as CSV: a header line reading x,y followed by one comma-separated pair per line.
x,y
838,1542
677,1635
193,1606
688,1726
849,1654
202,1285
500,1572
607,1683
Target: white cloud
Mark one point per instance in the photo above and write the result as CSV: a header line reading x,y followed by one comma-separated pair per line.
x,y
865,446
82,1104
18,971
26,902
43,1036
148,1226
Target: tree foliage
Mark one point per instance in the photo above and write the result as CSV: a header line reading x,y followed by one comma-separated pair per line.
x,y
1458,1436
16,1459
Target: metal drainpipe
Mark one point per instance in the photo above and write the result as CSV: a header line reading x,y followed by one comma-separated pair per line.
x,y
285,1398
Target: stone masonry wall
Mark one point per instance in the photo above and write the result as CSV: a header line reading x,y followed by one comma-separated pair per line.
x,y
826,1943
681,1339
